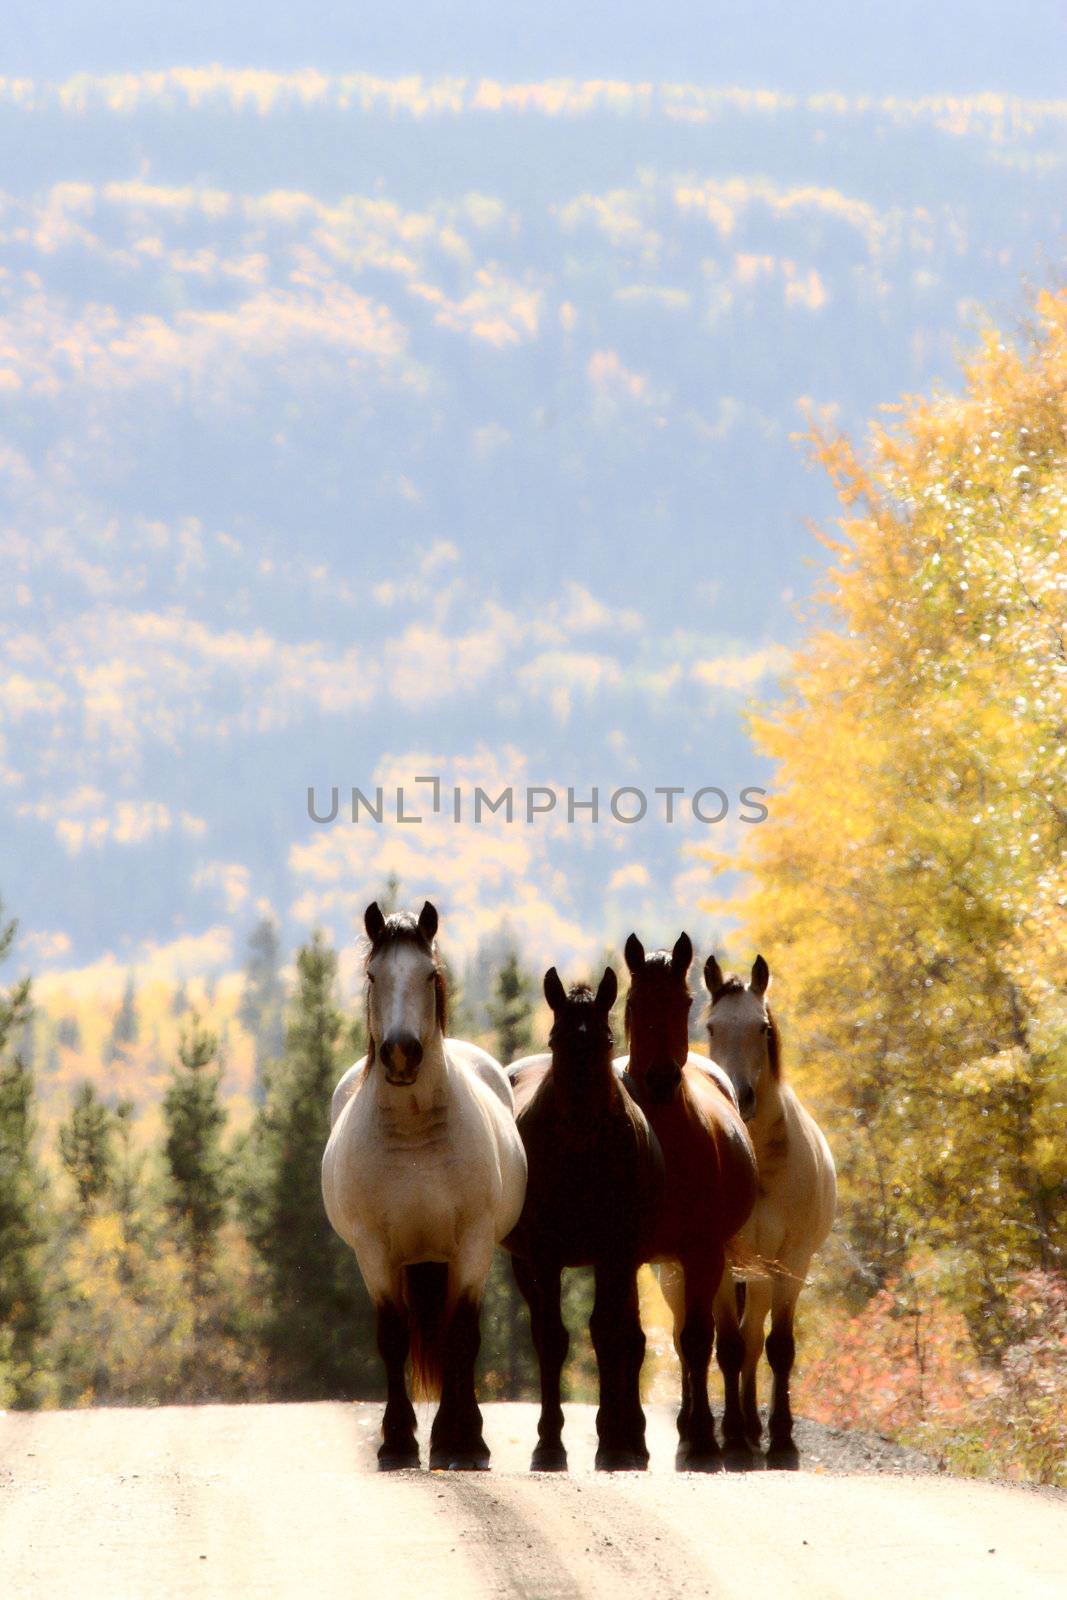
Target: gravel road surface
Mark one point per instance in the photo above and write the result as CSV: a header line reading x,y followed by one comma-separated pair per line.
x,y
279,1500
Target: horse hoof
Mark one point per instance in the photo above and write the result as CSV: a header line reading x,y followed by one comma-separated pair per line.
x,y
549,1458
460,1461
738,1458
621,1461
690,1459
783,1457
398,1460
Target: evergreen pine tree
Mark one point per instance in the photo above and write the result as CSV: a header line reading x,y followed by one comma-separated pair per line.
x,y
68,1033
262,1008
23,1295
196,1166
125,1027
86,1146
318,1326
511,1011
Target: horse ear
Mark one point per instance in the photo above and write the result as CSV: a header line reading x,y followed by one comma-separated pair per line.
x,y
608,992
682,955
760,980
374,922
428,922
555,993
713,978
634,953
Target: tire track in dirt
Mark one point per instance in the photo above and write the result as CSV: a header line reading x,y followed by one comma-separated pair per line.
x,y
544,1537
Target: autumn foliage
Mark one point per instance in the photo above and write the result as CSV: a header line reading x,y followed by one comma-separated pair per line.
x,y
910,890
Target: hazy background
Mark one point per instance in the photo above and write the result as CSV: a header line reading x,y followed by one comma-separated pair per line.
x,y
388,396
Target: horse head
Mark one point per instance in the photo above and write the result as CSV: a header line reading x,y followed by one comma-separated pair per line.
x,y
657,1015
581,1040
741,1031
406,994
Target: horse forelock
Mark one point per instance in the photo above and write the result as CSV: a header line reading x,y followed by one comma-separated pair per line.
x,y
583,995
400,927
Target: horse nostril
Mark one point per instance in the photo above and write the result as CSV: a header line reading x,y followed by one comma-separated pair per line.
x,y
746,1102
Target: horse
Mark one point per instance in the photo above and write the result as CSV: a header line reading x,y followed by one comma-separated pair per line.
x,y
423,1174
794,1210
710,1173
595,1177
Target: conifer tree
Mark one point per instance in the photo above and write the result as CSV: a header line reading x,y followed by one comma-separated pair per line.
x,y
125,1027
317,1324
24,1311
68,1033
511,1011
86,1146
195,1162
262,1008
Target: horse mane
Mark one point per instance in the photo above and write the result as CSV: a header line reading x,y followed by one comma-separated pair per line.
x,y
774,1048
660,960
735,985
401,927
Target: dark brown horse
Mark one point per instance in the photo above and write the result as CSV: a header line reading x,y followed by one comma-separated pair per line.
x,y
595,1175
710,1182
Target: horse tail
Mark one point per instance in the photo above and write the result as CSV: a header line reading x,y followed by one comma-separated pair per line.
x,y
427,1297
746,1264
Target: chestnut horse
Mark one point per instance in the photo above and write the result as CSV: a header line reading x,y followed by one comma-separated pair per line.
x,y
423,1175
595,1175
794,1211
710,1174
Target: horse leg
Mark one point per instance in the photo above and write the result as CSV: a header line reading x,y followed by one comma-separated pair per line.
x,y
456,1439
672,1287
757,1305
781,1350
698,1333
541,1288
619,1344
399,1447
729,1351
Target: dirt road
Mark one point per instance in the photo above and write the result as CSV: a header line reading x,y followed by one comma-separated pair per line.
x,y
272,1501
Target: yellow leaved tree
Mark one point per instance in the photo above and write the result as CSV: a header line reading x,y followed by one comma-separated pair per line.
x,y
910,886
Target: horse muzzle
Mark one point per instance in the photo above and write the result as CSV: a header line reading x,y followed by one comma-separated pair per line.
x,y
746,1103
401,1057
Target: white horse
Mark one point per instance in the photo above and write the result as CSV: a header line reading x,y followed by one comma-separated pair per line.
x,y
794,1211
423,1175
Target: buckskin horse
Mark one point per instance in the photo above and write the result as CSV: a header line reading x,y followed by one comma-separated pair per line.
x,y
794,1210
595,1175
423,1174
709,1175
